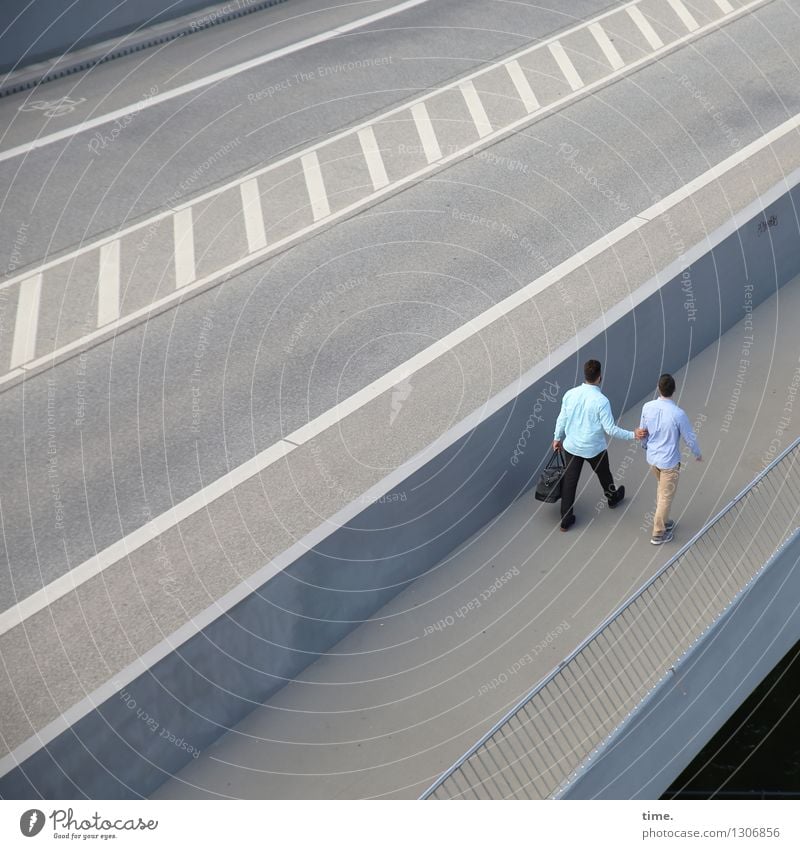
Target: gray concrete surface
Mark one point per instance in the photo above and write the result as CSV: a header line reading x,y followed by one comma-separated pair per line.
x,y
129,440
176,583
399,699
265,368
143,168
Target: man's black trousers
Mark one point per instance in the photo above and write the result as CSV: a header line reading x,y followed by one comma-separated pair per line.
x,y
569,484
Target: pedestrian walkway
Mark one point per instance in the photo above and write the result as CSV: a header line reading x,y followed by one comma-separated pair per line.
x,y
405,694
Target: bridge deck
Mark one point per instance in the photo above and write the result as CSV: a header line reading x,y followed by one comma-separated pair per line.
x,y
413,687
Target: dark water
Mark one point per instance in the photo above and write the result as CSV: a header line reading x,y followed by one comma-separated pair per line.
x,y
756,754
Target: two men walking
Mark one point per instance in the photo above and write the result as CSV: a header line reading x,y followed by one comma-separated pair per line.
x,y
580,434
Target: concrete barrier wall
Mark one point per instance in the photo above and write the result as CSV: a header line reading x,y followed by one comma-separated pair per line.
x,y
666,733
212,680
46,29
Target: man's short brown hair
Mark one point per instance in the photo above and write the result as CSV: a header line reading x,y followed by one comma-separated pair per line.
x,y
592,370
666,385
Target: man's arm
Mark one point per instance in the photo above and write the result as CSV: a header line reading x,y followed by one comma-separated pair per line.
x,y
644,428
688,434
561,426
607,421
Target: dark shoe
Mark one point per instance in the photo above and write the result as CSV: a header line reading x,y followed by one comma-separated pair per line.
x,y
669,525
567,522
662,538
616,497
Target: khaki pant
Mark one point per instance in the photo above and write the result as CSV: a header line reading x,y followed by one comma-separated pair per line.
x,y
667,484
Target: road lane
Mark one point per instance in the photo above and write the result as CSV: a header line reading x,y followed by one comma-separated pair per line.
x,y
329,181
141,422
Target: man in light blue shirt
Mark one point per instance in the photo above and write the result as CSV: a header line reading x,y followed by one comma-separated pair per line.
x,y
580,434
665,423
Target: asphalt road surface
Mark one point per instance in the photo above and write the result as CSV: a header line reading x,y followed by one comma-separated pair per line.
x,y
111,436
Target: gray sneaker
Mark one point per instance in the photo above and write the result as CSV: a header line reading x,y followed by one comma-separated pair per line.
x,y
669,525
660,539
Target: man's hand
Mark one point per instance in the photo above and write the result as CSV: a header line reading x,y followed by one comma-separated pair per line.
x,y
698,459
556,445
641,433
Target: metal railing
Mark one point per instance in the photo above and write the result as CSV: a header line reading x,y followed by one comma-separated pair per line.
x,y
537,746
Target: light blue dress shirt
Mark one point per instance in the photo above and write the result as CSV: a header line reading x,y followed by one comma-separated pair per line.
x,y
584,420
666,423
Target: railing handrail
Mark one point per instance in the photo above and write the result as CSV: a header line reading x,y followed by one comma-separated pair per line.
x,y
609,619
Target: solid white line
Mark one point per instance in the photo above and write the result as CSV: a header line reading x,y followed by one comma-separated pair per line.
x,y
167,300
604,42
56,589
684,14
374,160
136,539
724,6
108,284
316,186
444,345
183,229
476,110
26,324
203,82
346,133
522,86
565,64
427,136
566,351
653,38
253,215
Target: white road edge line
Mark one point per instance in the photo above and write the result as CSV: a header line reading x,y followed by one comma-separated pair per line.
x,y
476,110
427,135
684,14
154,308
41,598
605,44
253,215
108,284
371,122
23,348
183,230
645,27
135,540
147,660
209,80
564,63
523,87
373,158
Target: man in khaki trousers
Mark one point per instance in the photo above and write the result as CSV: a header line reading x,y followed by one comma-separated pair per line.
x,y
665,423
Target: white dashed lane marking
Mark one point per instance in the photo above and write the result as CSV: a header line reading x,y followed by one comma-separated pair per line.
x,y
684,14
108,284
288,199
601,37
427,136
565,66
476,110
522,86
316,186
253,216
27,320
645,27
374,160
183,225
